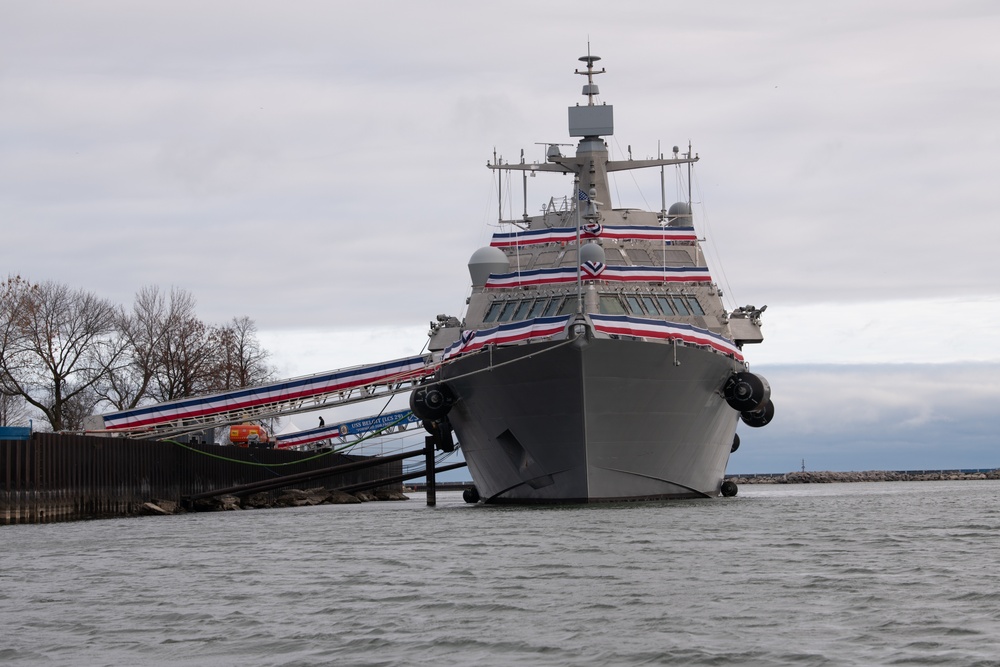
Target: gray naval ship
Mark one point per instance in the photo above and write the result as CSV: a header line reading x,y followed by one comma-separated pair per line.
x,y
596,361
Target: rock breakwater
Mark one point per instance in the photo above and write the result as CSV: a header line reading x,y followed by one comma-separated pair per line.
x,y
827,477
266,500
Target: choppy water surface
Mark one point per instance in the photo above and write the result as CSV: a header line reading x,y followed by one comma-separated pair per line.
x,y
893,573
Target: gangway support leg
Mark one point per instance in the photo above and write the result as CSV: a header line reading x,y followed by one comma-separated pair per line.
x,y
429,471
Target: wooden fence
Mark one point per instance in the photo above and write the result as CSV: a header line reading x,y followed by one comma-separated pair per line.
x,y
52,477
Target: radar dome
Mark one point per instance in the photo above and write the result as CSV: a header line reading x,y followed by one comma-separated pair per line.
x,y
679,215
486,261
591,252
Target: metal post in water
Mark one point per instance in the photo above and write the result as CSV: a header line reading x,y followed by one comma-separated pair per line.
x,y
429,471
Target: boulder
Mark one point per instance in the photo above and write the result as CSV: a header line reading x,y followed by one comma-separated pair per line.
x,y
168,506
383,494
300,498
217,504
341,498
152,509
229,503
260,500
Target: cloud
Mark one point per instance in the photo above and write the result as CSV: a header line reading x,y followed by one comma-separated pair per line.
x,y
320,167
876,417
931,331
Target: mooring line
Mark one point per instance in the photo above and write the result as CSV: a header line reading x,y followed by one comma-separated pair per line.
x,y
291,463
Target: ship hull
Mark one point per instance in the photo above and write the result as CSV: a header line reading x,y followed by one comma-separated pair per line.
x,y
593,420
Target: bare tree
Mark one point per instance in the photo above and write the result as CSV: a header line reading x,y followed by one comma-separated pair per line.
x,y
240,360
184,355
56,344
68,353
13,411
14,294
143,330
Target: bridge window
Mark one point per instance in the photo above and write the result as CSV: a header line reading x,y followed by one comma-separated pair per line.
x,y
507,312
665,305
647,301
522,310
568,306
680,305
493,312
610,304
537,309
553,306
692,302
633,304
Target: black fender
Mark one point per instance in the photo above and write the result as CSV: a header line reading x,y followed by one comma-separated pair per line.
x,y
440,430
432,401
746,392
759,417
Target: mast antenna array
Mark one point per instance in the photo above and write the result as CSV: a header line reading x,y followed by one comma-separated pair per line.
x,y
591,89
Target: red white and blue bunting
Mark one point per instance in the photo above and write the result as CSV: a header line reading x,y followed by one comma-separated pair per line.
x,y
623,325
278,392
593,269
590,231
649,274
511,332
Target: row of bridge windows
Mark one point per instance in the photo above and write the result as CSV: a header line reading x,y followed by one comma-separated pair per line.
x,y
513,311
669,305
650,304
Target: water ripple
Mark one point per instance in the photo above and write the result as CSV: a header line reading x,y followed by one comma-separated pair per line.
x,y
839,574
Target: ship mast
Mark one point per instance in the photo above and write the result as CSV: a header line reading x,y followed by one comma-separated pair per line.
x,y
591,89
589,122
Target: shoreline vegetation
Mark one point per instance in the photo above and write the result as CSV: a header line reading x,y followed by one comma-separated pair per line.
x,y
828,477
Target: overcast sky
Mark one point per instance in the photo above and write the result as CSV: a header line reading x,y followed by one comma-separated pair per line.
x,y
319,167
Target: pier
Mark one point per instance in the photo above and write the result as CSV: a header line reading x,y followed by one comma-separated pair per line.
x,y
51,477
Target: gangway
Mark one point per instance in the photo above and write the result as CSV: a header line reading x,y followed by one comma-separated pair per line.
x,y
349,431
277,399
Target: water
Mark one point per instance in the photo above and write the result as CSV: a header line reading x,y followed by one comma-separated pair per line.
x,y
838,574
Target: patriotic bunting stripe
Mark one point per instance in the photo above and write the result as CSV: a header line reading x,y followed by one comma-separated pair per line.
x,y
593,269
511,332
357,427
567,234
643,328
287,390
649,274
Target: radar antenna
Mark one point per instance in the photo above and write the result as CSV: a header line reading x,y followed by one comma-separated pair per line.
x,y
591,89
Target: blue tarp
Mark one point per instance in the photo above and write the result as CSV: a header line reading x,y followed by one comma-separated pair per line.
x,y
15,432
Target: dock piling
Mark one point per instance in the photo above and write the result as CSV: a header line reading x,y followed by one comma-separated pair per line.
x,y
429,470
